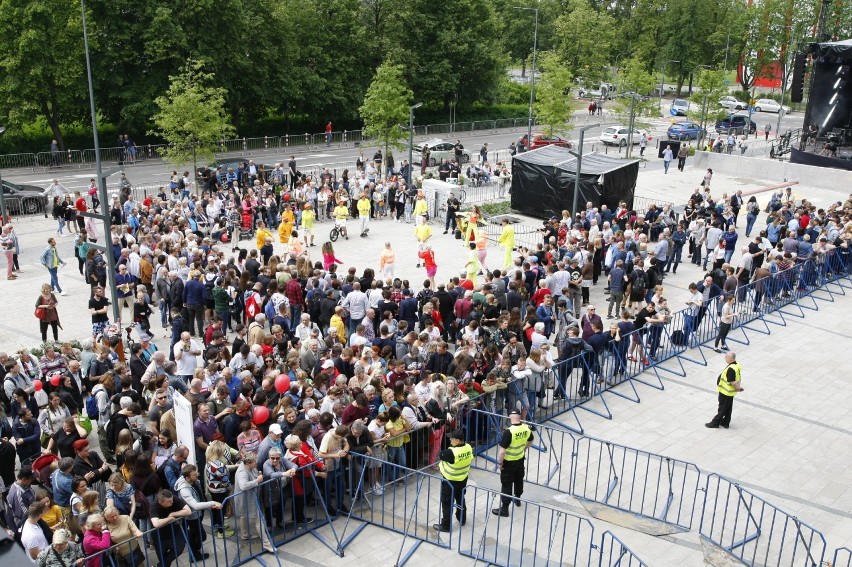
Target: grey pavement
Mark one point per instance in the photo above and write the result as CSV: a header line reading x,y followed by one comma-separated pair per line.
x,y
788,440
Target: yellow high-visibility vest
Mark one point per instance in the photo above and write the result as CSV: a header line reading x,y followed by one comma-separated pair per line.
x,y
458,470
520,434
727,388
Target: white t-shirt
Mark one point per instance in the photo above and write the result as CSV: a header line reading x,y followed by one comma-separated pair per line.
x,y
186,362
32,537
378,431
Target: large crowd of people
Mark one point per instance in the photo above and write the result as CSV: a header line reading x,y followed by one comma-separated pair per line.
x,y
292,363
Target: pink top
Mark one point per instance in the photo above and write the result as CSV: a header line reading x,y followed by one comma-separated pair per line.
x,y
248,442
328,260
93,542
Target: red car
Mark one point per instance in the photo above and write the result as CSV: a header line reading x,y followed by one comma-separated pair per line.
x,y
540,139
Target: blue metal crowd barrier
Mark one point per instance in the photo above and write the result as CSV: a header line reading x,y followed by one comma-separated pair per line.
x,y
549,462
842,557
614,553
634,481
533,534
407,503
753,530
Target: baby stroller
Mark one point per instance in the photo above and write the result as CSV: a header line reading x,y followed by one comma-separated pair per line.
x,y
246,226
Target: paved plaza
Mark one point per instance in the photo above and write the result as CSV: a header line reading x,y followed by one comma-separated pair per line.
x,y
789,441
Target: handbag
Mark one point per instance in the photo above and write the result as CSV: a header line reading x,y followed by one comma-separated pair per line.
x,y
40,313
85,423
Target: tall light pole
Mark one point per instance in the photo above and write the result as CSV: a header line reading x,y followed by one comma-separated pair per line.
x,y
663,80
411,139
104,216
2,193
532,84
579,156
700,136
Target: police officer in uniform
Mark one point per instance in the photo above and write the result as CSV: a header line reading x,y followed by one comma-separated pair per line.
x,y
728,384
513,447
454,466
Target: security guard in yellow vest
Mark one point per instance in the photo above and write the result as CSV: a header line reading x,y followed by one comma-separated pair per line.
x,y
728,384
454,466
510,456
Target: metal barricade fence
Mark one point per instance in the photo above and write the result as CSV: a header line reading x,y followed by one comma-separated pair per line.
x,y
637,482
614,553
408,504
548,462
15,161
533,534
842,557
176,543
753,530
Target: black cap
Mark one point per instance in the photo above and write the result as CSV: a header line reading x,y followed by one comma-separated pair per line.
x,y
457,434
514,412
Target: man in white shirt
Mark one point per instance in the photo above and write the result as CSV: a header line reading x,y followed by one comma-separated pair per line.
x,y
32,538
357,303
186,353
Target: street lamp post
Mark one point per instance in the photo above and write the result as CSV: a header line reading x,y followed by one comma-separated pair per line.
x,y
700,135
663,80
102,188
411,139
532,84
2,193
579,155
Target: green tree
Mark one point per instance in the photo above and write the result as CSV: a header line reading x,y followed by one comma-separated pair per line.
x,y
191,116
634,78
551,94
705,108
584,39
385,107
43,65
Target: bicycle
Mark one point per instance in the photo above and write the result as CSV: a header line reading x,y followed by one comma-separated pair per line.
x,y
337,230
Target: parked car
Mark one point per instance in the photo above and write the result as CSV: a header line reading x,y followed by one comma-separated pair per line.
x,y
604,90
679,107
23,199
736,123
769,105
617,136
628,94
540,139
439,150
685,131
732,103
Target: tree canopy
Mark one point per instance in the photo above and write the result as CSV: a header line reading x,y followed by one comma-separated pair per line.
x,y
386,107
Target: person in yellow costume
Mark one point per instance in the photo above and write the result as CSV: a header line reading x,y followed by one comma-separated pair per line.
x,y
288,219
421,207
507,241
473,218
364,214
422,232
308,218
473,266
262,234
341,213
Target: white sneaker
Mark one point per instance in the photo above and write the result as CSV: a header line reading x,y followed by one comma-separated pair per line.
x,y
62,293
377,489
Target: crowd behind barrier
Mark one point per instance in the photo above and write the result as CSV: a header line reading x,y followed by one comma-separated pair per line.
x,y
579,380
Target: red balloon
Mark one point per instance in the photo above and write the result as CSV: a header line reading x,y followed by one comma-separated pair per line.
x,y
282,383
260,415
37,385
55,380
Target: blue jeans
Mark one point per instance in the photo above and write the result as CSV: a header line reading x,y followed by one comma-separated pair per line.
x,y
666,165
688,327
54,279
750,220
396,456
226,320
729,253
164,313
295,315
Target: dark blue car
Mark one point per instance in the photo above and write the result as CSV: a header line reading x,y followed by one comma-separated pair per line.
x,y
684,131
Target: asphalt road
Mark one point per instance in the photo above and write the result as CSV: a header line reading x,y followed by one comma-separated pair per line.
x,y
339,157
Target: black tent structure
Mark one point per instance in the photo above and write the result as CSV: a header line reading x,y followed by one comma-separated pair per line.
x,y
543,181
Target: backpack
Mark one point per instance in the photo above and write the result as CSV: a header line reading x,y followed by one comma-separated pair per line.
x,y
639,283
252,307
100,267
92,409
269,310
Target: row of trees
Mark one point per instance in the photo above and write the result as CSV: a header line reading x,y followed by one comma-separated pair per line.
x,y
316,59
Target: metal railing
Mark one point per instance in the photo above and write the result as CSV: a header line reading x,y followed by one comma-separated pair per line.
x,y
753,530
72,158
